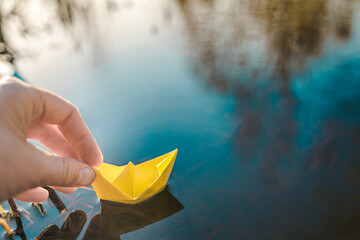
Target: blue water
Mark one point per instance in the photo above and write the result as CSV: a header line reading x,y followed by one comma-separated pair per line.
x,y
260,97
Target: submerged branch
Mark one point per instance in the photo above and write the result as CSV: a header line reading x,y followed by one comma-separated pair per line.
x,y
16,214
3,213
6,227
55,199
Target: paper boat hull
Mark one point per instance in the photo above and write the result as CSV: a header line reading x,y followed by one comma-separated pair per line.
x,y
133,184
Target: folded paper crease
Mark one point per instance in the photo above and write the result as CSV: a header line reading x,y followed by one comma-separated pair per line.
x,y
133,183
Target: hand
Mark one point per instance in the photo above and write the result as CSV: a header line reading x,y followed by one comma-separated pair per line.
x,y
28,112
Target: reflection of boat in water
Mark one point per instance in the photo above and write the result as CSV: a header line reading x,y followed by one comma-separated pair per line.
x,y
132,184
117,219
70,229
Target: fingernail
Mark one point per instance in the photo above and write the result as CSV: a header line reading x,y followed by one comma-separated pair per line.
x,y
86,177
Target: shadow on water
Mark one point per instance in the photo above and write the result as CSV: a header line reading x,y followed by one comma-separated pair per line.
x,y
116,219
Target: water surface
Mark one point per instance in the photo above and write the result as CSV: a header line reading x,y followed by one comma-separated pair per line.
x,y
260,97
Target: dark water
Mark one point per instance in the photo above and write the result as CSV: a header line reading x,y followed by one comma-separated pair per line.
x,y
260,97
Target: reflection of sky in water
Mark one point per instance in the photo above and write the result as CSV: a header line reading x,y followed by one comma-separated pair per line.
x,y
262,103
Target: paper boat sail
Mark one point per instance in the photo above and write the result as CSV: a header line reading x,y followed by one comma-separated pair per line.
x,y
133,183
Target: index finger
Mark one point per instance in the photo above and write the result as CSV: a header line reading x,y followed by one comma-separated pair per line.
x,y
56,110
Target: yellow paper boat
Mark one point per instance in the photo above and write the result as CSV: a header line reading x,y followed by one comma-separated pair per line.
x,y
133,183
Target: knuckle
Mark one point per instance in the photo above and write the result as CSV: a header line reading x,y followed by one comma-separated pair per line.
x,y
17,89
67,174
8,80
12,84
72,113
75,110
69,105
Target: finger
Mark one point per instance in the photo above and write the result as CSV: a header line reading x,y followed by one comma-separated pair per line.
x,y
66,190
38,195
67,172
50,137
61,171
57,110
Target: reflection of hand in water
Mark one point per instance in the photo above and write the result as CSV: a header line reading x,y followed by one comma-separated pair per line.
x,y
116,219
71,228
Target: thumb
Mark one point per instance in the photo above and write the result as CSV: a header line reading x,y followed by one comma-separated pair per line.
x,y
66,172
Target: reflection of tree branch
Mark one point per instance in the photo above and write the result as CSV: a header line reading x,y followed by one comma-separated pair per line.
x,y
77,17
219,36
6,55
295,32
